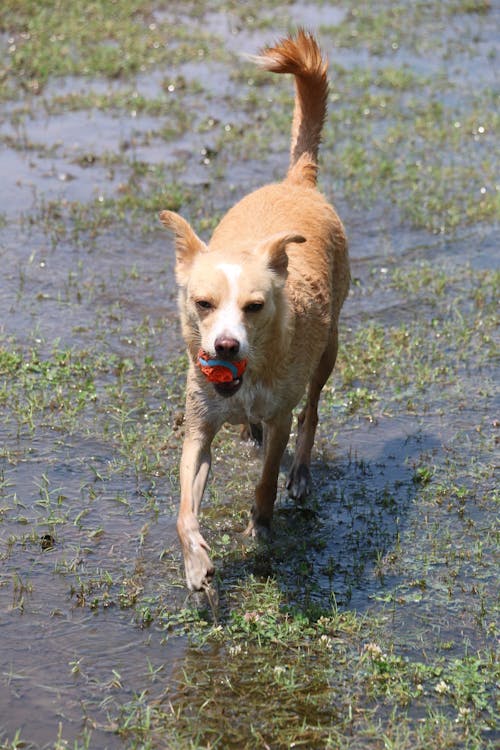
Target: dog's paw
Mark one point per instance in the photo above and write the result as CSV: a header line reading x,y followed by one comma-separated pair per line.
x,y
199,567
258,530
253,432
299,482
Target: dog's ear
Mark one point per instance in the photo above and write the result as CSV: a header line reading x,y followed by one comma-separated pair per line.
x,y
275,249
187,243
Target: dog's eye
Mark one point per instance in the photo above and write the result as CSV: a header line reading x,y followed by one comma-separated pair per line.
x,y
204,304
253,307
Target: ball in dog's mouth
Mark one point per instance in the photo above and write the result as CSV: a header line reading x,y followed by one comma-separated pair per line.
x,y
226,375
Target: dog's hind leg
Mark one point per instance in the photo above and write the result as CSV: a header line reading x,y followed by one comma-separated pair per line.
x,y
276,434
253,431
300,473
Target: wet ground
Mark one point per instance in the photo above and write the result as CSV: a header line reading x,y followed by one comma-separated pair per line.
x,y
401,520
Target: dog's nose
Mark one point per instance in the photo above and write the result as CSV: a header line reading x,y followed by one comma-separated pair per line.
x,y
226,346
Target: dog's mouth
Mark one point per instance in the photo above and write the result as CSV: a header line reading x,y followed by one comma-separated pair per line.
x,y
225,375
229,388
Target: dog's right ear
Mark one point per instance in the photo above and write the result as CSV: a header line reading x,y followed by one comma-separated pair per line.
x,y
187,243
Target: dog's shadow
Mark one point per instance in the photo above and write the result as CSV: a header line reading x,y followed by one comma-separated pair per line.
x,y
333,549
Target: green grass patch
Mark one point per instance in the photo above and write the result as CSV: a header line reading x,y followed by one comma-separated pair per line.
x,y
314,682
98,39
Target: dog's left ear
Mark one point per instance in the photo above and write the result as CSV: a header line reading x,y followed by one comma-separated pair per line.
x,y
187,243
275,248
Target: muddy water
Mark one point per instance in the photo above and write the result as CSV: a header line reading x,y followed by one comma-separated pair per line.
x,y
87,541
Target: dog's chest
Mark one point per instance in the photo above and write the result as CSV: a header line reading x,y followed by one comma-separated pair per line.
x,y
254,403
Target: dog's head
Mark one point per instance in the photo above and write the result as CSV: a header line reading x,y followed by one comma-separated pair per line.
x,y
229,298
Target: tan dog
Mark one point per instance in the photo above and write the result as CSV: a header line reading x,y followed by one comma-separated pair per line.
x,y
265,294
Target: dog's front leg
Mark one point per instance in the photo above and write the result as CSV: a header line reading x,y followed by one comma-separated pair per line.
x,y
195,467
276,434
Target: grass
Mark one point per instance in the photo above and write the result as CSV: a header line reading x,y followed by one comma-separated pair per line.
x,y
109,39
392,130
265,649
371,618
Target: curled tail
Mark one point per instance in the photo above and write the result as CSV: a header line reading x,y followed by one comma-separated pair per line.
x,y
301,56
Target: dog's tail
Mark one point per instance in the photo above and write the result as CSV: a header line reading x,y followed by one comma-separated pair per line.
x,y
301,56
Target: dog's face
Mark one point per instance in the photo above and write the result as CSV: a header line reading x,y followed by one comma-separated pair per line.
x,y
229,301
229,297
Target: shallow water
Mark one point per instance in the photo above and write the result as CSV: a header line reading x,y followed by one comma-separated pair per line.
x,y
87,531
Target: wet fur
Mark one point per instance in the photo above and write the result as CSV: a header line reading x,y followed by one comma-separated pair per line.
x,y
290,247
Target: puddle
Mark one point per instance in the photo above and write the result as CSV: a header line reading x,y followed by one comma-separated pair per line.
x,y
363,496
44,285
86,627
45,165
91,572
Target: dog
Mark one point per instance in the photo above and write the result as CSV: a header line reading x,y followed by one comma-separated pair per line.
x,y
259,308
